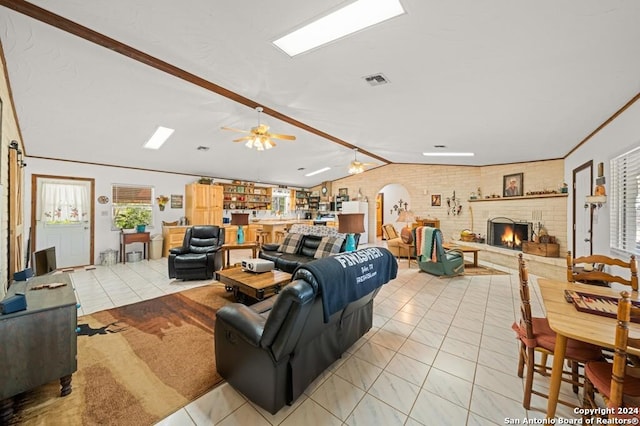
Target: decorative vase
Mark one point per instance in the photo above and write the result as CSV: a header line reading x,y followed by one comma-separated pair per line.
x,y
240,235
141,228
161,206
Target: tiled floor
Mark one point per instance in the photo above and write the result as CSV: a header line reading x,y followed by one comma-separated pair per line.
x,y
441,352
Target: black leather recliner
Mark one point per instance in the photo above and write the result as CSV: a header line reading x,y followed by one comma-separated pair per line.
x,y
200,255
271,351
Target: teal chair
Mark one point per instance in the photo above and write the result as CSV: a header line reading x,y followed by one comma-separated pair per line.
x,y
448,262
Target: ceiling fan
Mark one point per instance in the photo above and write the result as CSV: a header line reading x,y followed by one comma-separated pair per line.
x,y
356,166
259,136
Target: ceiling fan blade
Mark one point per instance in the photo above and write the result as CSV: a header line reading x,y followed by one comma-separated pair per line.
x,y
235,130
285,137
244,138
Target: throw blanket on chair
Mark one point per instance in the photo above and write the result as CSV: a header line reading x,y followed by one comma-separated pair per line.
x,y
346,277
426,244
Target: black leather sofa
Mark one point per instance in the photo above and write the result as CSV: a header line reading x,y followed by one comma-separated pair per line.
x,y
273,350
306,250
200,255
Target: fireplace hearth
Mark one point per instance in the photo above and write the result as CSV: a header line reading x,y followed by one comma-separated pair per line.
x,y
508,233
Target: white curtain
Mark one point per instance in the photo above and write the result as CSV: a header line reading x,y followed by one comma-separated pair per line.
x,y
64,203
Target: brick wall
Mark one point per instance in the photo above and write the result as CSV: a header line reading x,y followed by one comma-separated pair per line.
x,y
421,181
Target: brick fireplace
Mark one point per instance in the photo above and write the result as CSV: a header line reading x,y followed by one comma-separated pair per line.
x,y
508,233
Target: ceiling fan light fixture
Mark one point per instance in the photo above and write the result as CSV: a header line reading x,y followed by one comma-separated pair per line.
x,y
355,168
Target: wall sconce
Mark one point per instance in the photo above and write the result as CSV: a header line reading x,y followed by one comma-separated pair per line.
x,y
14,145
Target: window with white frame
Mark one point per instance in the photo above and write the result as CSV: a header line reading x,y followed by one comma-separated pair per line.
x,y
625,202
131,196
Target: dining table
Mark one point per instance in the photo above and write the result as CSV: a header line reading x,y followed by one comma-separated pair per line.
x,y
568,322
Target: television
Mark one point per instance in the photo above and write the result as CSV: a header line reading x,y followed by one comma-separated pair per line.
x,y
44,261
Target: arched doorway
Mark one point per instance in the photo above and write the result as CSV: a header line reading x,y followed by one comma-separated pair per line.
x,y
388,202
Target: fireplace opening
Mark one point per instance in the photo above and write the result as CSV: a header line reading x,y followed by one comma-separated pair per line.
x,y
507,233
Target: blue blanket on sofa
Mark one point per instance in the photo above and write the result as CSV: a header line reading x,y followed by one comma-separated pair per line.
x,y
347,277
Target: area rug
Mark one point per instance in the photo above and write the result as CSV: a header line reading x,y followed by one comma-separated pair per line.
x,y
482,270
136,363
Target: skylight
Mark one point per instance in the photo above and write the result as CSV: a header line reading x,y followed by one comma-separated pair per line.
x,y
347,20
159,137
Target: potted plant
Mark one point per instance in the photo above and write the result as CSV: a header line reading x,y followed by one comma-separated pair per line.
x,y
132,217
162,201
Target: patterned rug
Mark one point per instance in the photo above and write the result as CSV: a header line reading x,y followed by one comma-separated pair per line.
x,y
482,270
136,364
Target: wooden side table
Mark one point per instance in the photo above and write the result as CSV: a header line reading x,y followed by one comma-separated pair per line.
x,y
135,237
410,248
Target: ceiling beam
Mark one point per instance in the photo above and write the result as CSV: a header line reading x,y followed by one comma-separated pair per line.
x,y
100,39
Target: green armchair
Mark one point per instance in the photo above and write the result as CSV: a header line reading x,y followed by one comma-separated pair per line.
x,y
448,262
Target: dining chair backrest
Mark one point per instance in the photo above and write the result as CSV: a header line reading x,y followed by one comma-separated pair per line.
x,y
625,311
597,273
525,298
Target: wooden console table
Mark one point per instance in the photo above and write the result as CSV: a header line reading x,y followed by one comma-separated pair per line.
x,y
250,245
135,237
39,344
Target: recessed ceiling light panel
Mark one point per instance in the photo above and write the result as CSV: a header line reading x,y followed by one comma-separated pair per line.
x,y
159,137
352,18
317,172
448,154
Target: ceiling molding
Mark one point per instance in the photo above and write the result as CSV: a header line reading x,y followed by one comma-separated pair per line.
x,y
604,124
100,39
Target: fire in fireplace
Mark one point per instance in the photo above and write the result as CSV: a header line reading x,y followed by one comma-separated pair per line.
x,y
507,233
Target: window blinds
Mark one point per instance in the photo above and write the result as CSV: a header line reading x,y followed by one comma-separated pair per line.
x,y
625,202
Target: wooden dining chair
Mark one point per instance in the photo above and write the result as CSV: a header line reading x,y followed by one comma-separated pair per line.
x,y
598,274
612,380
536,336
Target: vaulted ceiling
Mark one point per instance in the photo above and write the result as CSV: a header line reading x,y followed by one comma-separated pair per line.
x,y
511,81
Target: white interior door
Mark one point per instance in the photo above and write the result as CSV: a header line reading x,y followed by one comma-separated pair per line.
x,y
66,224
582,216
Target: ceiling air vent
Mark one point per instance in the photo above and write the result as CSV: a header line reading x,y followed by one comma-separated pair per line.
x,y
376,79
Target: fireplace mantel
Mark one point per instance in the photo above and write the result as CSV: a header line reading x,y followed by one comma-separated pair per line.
x,y
523,197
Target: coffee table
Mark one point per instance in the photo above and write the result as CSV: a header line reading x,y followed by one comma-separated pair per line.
x,y
257,286
464,249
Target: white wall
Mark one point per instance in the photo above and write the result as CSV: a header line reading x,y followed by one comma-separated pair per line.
x,y
392,194
105,238
618,137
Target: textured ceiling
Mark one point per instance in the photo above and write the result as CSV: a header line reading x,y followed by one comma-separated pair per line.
x,y
510,81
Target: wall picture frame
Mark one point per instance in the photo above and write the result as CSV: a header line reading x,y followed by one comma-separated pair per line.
x,y
512,185
176,201
343,191
436,200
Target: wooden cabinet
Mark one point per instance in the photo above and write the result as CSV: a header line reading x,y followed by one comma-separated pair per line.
x,y
39,344
433,223
203,204
231,233
172,236
246,197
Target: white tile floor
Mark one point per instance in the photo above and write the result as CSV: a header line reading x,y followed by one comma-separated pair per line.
x,y
441,352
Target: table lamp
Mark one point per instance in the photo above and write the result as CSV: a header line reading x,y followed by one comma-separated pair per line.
x,y
350,224
240,219
406,216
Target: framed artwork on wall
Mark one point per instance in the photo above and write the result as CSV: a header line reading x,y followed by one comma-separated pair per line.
x,y
436,200
512,185
176,201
